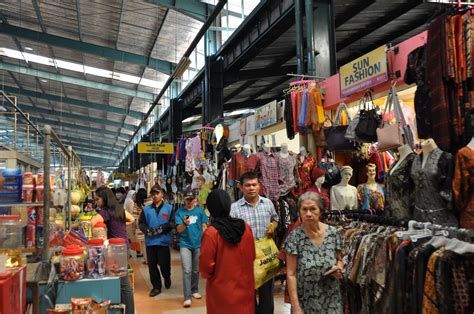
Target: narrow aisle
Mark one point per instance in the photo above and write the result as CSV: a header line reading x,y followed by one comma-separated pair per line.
x,y
170,301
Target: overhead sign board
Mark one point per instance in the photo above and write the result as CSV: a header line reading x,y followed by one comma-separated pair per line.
x,y
155,148
266,115
364,72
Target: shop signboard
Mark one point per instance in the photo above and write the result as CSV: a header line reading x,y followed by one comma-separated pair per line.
x,y
234,132
155,148
250,127
266,115
364,72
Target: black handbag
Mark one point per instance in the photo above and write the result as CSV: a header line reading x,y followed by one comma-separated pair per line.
x,y
369,120
335,135
333,174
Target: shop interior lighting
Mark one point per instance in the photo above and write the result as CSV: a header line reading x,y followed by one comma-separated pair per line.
x,y
191,119
238,112
29,48
76,67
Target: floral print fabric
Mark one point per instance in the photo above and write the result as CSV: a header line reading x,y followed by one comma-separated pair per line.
x,y
316,293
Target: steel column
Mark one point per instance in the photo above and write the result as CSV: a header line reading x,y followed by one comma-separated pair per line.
x,y
175,120
47,189
310,36
299,37
67,209
324,39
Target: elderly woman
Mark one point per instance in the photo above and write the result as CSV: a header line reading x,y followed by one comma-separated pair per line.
x,y
314,261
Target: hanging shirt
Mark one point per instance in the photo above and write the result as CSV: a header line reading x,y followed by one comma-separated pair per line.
x,y
196,147
286,170
463,186
303,112
304,171
189,157
270,175
241,164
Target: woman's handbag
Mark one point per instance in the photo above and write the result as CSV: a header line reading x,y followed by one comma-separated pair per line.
x,y
335,135
266,264
369,120
393,136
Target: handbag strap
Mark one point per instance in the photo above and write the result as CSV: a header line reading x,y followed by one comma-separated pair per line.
x,y
340,108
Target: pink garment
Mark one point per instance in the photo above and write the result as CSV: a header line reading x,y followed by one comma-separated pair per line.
x,y
196,147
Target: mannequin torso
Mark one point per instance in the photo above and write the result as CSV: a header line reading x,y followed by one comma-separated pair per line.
x,y
427,147
471,144
344,195
404,151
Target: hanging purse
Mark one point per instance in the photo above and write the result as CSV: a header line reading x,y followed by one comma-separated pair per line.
x,y
369,120
335,135
393,136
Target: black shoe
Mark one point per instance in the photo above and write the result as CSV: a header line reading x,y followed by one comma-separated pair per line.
x,y
167,283
154,292
139,255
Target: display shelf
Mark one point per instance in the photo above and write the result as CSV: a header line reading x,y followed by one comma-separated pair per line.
x,y
21,204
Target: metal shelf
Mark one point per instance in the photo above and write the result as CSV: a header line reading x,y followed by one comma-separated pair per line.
x,y
21,204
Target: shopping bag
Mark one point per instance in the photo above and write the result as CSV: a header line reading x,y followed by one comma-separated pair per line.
x,y
266,264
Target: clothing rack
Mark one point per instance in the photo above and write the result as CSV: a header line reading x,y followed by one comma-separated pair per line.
x,y
413,224
366,216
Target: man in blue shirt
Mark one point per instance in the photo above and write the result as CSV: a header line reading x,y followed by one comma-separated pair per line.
x,y
191,223
156,222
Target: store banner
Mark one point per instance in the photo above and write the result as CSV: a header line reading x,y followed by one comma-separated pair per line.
x,y
364,72
234,132
251,129
266,115
155,148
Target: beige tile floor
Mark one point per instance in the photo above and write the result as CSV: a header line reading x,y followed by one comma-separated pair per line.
x,y
170,301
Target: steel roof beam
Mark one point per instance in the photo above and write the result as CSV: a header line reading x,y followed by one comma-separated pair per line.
x,y
191,8
68,137
101,149
71,101
378,23
31,109
85,153
97,131
105,52
76,81
353,11
88,138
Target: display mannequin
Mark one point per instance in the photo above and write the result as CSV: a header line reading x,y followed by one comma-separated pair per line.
x,y
174,186
404,152
463,185
286,170
270,187
371,193
432,174
246,150
319,177
399,186
343,195
304,164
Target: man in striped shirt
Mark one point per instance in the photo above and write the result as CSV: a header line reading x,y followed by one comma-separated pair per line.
x,y
262,218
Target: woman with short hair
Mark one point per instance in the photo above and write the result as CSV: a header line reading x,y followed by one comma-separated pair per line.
x,y
314,261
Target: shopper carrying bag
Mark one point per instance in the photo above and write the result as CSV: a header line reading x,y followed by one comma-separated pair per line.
x,y
393,136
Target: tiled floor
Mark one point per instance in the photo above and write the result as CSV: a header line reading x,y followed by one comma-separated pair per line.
x,y
170,301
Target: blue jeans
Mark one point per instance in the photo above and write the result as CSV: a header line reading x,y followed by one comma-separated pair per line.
x,y
190,266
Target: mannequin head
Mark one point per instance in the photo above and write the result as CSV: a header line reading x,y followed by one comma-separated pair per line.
x,y
371,171
266,148
346,174
200,181
303,151
246,149
318,176
284,148
173,179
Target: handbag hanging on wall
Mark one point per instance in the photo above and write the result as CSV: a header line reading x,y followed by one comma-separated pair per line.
x,y
393,136
335,135
369,120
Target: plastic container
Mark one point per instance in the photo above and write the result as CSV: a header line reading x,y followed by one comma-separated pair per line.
x,y
11,191
40,193
117,258
10,240
28,178
86,226
100,231
27,195
96,255
72,263
39,179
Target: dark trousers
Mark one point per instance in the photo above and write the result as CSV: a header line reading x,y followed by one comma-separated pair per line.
x,y
126,295
265,299
158,255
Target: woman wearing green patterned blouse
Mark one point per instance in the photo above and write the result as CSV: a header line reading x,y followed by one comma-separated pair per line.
x,y
314,261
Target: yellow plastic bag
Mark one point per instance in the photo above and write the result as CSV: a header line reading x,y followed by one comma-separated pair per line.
x,y
266,264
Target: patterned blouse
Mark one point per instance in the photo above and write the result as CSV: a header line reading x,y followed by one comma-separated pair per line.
x,y
304,171
316,293
463,186
370,199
